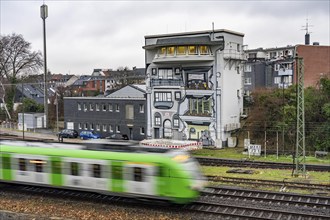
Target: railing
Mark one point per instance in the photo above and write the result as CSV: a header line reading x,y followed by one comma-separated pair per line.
x,y
167,82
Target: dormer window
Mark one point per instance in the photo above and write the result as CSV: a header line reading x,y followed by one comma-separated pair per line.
x,y
181,50
170,51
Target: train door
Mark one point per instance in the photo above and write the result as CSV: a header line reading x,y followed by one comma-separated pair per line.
x,y
140,178
6,167
56,174
117,176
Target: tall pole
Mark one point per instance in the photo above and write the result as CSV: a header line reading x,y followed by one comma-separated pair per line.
x,y
44,15
300,157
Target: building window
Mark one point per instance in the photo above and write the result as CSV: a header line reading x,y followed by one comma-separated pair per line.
x,y
110,128
117,107
97,127
203,50
199,106
238,47
104,107
157,119
85,107
142,130
104,127
92,126
276,67
177,95
165,73
110,108
154,71
86,126
247,68
91,107
176,121
79,126
163,96
247,81
117,129
79,106
277,80
181,50
162,51
170,51
97,106
141,108
129,111
192,50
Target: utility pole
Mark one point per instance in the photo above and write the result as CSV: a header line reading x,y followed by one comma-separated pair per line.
x,y
44,15
300,168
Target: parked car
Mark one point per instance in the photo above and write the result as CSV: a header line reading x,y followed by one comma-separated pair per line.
x,y
118,137
89,135
68,133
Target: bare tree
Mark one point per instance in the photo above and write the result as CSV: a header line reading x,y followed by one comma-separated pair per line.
x,y
16,59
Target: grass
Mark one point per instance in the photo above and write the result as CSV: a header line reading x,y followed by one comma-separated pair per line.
x,y
237,153
270,174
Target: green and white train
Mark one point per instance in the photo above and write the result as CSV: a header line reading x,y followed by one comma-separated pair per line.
x,y
120,169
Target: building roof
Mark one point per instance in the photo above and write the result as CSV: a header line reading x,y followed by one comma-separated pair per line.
x,y
129,92
195,33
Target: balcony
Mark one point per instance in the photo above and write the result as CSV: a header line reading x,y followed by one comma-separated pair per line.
x,y
166,82
231,54
182,59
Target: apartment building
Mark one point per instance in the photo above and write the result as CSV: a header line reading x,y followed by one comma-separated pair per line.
x,y
194,85
275,67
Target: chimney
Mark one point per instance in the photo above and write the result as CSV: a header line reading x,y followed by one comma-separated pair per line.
x,y
307,39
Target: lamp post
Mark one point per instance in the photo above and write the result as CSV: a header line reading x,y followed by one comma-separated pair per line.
x,y
44,15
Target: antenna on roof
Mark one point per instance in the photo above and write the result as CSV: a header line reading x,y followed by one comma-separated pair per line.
x,y
213,29
307,36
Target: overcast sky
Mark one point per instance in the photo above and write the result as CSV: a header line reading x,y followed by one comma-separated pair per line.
x,y
83,35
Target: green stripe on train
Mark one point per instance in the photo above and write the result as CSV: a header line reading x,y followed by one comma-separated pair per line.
x,y
6,168
56,174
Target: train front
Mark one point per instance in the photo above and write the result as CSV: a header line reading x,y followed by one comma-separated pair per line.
x,y
188,181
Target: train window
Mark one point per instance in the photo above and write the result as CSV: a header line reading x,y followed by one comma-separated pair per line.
x,y
39,166
117,172
138,174
56,165
74,169
22,164
96,170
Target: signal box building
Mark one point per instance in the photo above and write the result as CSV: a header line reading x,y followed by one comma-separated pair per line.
x,y
194,85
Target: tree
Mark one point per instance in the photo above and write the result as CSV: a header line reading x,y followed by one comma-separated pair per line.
x,y
16,59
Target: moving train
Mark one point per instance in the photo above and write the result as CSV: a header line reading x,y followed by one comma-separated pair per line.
x,y
109,168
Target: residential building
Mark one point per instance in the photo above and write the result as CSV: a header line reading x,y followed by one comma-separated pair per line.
x,y
121,112
275,67
194,85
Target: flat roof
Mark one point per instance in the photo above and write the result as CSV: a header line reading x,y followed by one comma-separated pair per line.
x,y
195,33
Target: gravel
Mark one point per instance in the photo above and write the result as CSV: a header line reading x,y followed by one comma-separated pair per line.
x,y
23,206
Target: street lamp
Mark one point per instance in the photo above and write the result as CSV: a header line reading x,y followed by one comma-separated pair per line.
x,y
44,15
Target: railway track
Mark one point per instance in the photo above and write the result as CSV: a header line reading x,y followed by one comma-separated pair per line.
x,y
214,203
209,161
256,182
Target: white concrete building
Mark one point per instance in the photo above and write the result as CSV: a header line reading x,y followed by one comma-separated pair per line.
x,y
194,85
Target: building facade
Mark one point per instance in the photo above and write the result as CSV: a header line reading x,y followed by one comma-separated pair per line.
x,y
275,67
122,112
194,85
